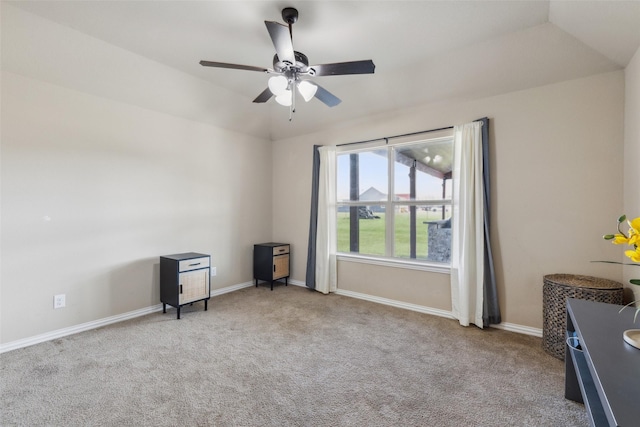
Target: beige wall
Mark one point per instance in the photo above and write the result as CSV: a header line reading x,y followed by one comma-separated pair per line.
x,y
632,154
101,180
94,191
556,154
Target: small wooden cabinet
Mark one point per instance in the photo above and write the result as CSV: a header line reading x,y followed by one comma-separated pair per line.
x,y
271,262
184,279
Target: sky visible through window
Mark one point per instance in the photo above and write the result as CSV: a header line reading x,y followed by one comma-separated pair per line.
x,y
373,173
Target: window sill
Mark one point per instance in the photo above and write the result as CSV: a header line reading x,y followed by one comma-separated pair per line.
x,y
396,263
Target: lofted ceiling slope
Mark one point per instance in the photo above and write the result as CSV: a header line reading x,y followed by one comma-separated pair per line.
x,y
146,53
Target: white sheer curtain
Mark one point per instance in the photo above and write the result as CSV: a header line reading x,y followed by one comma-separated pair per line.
x,y
326,273
467,223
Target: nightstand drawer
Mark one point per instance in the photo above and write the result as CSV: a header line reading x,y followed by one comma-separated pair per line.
x,y
279,250
194,264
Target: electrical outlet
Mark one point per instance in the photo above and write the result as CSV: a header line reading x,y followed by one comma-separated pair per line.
x,y
213,271
59,301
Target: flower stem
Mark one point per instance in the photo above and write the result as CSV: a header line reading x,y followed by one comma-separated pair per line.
x,y
620,231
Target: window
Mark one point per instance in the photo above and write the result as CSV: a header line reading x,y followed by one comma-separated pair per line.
x,y
394,201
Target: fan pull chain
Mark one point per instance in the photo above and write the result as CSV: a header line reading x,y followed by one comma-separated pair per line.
x,y
292,108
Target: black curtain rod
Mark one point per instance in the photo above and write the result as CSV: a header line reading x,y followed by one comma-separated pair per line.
x,y
387,138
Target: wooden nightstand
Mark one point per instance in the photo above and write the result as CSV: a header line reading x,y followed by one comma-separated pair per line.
x,y
271,262
184,279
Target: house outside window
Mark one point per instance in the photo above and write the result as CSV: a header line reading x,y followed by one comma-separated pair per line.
x,y
394,201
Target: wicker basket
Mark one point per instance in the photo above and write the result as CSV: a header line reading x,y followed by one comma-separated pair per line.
x,y
557,288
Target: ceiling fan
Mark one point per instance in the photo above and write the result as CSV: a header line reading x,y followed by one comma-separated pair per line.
x,y
292,70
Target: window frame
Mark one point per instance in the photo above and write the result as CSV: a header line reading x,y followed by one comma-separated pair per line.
x,y
390,204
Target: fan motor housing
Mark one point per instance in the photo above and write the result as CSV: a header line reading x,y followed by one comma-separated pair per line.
x,y
301,65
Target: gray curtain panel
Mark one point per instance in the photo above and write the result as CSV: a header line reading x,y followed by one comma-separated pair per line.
x,y
491,309
310,280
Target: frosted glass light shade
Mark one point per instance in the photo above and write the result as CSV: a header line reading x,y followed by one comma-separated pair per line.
x,y
278,85
307,90
285,98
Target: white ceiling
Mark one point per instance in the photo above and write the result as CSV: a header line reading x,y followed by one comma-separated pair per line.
x,y
424,51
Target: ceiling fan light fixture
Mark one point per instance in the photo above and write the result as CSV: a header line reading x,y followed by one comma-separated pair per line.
x,y
307,90
290,65
285,98
278,85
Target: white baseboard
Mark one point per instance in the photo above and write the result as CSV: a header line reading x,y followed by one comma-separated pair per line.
x,y
394,303
231,288
37,339
512,327
298,283
26,342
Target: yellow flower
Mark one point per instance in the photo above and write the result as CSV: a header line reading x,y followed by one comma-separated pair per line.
x,y
620,239
633,240
634,255
634,231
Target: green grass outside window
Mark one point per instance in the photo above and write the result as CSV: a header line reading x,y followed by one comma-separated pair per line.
x,y
372,233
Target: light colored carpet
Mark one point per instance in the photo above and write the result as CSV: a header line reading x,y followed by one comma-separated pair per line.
x,y
291,357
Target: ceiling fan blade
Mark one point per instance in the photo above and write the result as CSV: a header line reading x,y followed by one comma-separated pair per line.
x,y
327,97
264,96
232,66
281,41
339,68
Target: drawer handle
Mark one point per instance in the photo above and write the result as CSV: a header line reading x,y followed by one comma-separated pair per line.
x,y
180,288
274,268
191,265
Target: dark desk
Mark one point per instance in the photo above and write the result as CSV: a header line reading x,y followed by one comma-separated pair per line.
x,y
606,374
